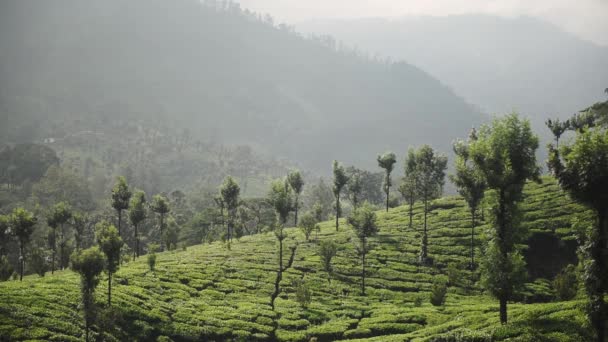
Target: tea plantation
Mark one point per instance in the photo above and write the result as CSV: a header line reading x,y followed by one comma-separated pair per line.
x,y
208,292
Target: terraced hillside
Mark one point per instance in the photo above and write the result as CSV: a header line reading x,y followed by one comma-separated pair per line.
x,y
211,293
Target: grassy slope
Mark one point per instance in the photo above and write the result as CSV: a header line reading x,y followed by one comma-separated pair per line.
x,y
210,292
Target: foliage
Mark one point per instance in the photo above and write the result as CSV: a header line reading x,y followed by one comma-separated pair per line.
x,y
23,162
438,293
137,214
363,222
22,223
387,162
340,180
229,192
429,176
281,199
62,185
303,292
160,205
296,182
110,243
470,184
38,262
308,224
6,269
89,264
566,283
504,153
327,251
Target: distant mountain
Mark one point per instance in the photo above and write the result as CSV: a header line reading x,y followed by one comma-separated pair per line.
x,y
223,74
498,63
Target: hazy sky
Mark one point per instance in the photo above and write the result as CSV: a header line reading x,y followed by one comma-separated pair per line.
x,y
585,18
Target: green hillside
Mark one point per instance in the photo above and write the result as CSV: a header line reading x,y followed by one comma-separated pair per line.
x,y
211,293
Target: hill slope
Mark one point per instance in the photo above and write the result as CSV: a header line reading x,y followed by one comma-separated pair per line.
x,y
211,293
498,63
225,75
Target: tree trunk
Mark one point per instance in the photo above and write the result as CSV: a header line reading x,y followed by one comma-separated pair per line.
x,y
363,267
411,210
61,247
136,251
296,212
502,227
120,223
424,248
387,197
473,239
337,210
503,310
109,288
21,261
54,251
162,223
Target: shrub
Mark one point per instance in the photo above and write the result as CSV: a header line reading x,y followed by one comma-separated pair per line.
x,y
152,257
565,283
438,293
418,301
6,269
303,293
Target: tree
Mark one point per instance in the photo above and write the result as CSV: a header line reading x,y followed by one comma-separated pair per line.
x,y
59,215
387,162
504,153
89,264
340,180
120,199
229,191
4,234
327,250
160,206
110,244
281,199
308,224
408,187
470,184
79,222
558,128
363,221
354,188
137,214
22,223
581,168
429,179
297,185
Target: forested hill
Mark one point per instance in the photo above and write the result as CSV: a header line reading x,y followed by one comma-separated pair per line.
x,y
217,72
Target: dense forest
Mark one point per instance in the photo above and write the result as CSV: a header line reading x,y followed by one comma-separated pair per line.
x,y
186,171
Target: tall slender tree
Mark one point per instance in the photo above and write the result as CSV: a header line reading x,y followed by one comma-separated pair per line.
x,y
558,128
110,244
408,187
505,154
79,222
121,194
58,216
89,264
137,214
340,180
22,224
281,199
354,188
387,162
429,179
160,206
363,221
229,191
470,184
4,234
582,170
297,185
